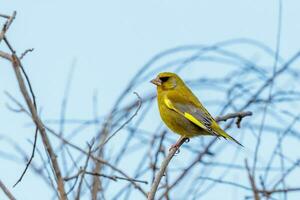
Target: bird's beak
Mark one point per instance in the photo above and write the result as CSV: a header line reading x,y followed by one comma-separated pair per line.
x,y
156,81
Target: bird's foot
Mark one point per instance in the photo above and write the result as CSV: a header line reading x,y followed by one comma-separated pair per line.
x,y
187,140
178,144
175,146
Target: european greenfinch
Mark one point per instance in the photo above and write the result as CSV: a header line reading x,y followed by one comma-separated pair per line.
x,y
181,110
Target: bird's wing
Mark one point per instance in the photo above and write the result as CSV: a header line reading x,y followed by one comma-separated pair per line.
x,y
190,111
197,114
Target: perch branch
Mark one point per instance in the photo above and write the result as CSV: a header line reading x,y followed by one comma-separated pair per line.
x,y
181,140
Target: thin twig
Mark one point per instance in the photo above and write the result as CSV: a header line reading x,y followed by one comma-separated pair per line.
x,y
238,115
26,52
84,169
5,56
125,123
30,159
6,191
5,16
252,182
7,25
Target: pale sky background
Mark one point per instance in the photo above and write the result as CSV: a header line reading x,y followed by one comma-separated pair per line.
x,y
109,41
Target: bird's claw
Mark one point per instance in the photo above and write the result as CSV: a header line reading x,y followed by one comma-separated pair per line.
x,y
174,146
187,140
178,144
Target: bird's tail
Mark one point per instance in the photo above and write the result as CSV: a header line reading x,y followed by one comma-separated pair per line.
x,y
219,131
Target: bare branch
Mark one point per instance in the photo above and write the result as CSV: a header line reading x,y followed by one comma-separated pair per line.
x,y
238,115
5,56
252,182
172,152
60,184
7,25
126,122
26,52
9,195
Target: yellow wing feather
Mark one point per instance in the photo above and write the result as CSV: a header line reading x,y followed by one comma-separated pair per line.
x,y
194,120
215,128
185,114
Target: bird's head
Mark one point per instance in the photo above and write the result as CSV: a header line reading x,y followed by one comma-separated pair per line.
x,y
167,81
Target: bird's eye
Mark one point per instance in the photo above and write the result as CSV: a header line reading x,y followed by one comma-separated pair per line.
x,y
164,79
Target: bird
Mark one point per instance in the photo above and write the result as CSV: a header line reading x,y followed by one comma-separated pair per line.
x,y
181,110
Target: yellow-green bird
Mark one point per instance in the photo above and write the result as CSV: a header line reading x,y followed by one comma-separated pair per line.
x,y
181,110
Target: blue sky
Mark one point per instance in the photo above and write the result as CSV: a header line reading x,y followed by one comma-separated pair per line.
x,y
107,42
